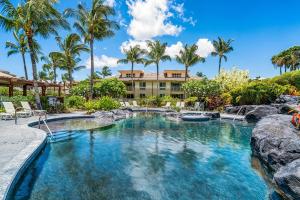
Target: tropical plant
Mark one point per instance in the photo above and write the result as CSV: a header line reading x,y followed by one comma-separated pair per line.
x,y
222,48
52,62
257,92
133,56
75,102
289,59
230,79
202,88
201,75
105,71
104,103
156,54
34,17
93,24
188,57
71,48
20,46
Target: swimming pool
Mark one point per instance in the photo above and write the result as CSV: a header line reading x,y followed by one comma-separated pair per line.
x,y
148,157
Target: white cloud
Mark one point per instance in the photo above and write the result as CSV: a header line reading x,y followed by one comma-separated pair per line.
x,y
150,18
205,47
131,43
179,8
110,3
174,49
102,61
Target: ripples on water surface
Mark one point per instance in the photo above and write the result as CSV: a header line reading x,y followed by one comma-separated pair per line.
x,y
148,157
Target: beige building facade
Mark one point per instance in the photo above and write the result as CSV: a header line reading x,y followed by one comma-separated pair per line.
x,y
145,84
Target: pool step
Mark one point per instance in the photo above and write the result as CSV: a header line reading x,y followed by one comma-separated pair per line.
x,y
64,136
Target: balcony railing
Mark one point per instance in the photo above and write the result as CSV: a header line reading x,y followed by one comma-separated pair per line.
x,y
176,89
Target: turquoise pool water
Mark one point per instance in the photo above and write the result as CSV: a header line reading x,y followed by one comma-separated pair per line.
x,y
148,157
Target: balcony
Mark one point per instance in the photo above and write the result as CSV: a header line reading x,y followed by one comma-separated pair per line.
x,y
176,89
129,88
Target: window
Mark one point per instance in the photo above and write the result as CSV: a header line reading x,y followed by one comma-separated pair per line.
x,y
162,95
176,75
176,86
130,96
129,75
162,86
129,86
142,96
142,85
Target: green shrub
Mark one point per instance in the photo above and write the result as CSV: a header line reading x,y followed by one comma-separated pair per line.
x,y
75,102
202,88
257,92
289,78
105,87
105,103
226,98
152,101
191,101
170,99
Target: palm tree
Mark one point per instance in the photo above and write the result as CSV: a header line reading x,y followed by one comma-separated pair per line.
x,y
278,62
222,48
20,46
134,55
156,54
93,24
105,72
52,62
34,17
188,57
71,48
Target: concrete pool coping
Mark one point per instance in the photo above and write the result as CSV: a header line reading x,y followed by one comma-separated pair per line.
x,y
13,170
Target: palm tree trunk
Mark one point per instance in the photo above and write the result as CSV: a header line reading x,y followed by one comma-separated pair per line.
x,y
280,70
157,75
284,69
70,78
186,71
92,67
25,67
54,71
132,83
220,62
34,72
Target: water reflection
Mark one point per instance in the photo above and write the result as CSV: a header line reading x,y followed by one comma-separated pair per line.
x,y
148,157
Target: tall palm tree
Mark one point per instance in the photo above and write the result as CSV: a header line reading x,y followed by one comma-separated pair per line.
x,y
19,47
34,17
222,48
71,48
156,54
52,62
188,57
105,72
93,24
134,55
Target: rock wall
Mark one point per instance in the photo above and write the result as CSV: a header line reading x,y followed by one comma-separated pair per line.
x,y
277,144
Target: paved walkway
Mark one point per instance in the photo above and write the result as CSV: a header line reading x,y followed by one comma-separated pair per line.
x,y
17,144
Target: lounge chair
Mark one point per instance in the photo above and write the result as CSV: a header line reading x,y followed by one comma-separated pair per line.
x,y
122,104
127,104
178,105
32,112
182,104
168,105
10,112
135,104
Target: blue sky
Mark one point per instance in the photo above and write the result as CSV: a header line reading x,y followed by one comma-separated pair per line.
x,y
259,28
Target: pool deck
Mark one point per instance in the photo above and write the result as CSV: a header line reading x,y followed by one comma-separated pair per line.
x,y
18,145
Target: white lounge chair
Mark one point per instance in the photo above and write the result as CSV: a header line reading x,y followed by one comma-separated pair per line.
x,y
198,106
127,104
10,111
178,105
135,104
122,104
32,112
182,104
168,105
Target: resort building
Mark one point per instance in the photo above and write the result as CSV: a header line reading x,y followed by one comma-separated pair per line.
x,y
145,84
